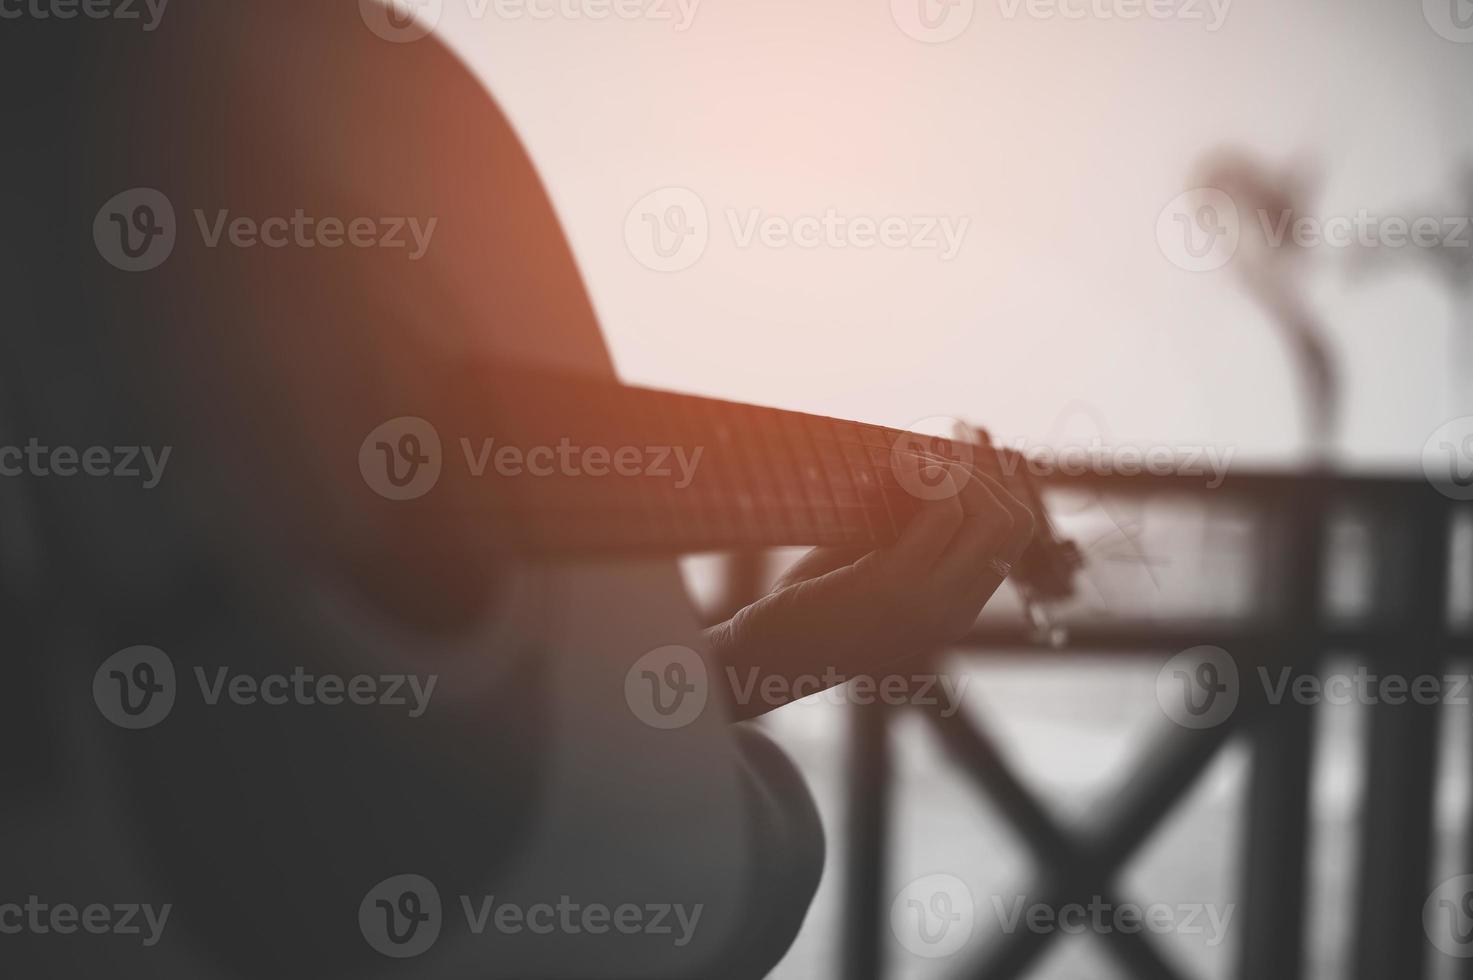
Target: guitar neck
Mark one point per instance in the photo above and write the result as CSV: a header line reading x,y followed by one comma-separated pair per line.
x,y
712,475
585,466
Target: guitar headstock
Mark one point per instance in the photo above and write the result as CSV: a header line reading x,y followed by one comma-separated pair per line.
x,y
1047,568
1046,571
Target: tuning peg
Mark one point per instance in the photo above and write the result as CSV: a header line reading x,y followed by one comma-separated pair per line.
x,y
1044,631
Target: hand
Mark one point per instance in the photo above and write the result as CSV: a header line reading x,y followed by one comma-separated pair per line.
x,y
846,612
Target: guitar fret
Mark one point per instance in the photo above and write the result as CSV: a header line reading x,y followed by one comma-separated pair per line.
x,y
790,484
732,484
810,479
877,470
846,436
766,504
821,433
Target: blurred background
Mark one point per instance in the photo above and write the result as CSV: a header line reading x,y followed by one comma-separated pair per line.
x,y
1064,140
1060,141
1066,146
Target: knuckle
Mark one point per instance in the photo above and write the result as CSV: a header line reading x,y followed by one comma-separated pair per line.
x,y
1025,522
952,508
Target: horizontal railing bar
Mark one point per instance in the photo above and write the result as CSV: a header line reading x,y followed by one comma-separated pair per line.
x,y
1135,638
1266,484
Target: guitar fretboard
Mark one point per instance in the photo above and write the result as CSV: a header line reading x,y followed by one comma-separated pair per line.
x,y
564,465
711,474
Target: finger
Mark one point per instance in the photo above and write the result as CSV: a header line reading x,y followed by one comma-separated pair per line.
x,y
969,565
819,561
1024,526
935,522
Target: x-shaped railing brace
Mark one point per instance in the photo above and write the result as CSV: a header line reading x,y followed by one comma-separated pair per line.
x,y
1079,867
1076,867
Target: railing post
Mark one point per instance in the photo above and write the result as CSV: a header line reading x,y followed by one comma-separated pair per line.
x,y
1397,824
1282,737
869,790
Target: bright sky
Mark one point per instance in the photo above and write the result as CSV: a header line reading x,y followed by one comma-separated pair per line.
x,y
1049,144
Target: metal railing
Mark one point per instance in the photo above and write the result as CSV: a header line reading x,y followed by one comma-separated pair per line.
x,y
1407,629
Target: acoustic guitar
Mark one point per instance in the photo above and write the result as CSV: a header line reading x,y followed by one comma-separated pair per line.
x,y
302,528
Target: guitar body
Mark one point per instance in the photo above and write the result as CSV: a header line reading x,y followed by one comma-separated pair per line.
x,y
361,280
530,777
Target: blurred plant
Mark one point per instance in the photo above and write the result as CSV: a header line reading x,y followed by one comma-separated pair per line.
x,y
1274,274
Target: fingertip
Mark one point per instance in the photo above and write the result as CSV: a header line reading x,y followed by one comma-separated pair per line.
x,y
941,477
950,505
